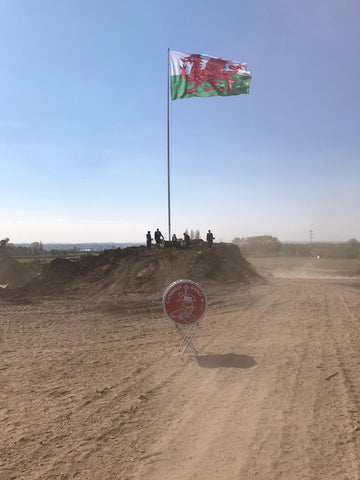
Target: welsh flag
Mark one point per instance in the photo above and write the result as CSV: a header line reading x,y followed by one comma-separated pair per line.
x,y
196,75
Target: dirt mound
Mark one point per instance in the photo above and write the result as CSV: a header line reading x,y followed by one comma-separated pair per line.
x,y
135,269
14,273
59,271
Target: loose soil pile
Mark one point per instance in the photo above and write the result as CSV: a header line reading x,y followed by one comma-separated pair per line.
x,y
135,269
14,273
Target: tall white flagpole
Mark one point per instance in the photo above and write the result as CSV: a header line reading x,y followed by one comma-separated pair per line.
x,y
168,140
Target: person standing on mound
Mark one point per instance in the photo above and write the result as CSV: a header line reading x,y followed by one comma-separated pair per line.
x,y
187,240
148,240
158,236
210,238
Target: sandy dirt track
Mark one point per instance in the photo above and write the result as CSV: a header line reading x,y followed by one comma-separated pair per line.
x,y
95,391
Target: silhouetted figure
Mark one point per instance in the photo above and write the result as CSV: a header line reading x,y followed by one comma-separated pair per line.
x,y
187,240
148,240
158,236
210,238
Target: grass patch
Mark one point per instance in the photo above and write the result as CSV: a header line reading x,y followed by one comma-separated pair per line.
x,y
34,260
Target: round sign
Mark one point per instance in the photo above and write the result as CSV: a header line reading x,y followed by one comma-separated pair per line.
x,y
184,302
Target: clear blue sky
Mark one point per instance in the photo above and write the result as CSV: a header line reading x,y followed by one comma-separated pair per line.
x,y
83,120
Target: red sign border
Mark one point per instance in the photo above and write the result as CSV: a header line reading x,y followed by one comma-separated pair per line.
x,y
172,285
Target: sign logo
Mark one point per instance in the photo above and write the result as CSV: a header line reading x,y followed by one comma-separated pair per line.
x,y
184,302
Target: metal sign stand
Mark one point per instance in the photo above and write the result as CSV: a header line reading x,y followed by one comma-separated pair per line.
x,y
187,335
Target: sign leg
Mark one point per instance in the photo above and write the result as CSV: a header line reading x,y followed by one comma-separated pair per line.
x,y
186,338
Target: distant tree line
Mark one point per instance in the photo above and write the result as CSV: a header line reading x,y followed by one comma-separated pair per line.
x,y
267,245
35,249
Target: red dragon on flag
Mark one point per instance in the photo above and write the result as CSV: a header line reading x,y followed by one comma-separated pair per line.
x,y
205,76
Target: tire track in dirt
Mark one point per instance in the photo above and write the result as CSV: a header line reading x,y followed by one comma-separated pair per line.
x,y
98,393
213,437
43,351
316,438
331,452
343,330
276,453
275,423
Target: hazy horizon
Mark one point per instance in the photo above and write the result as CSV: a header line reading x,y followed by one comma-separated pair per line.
x,y
109,242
